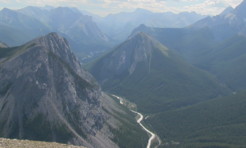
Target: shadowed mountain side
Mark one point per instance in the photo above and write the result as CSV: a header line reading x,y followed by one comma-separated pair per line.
x,y
215,123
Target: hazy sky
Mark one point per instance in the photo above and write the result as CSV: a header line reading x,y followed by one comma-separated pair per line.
x,y
103,7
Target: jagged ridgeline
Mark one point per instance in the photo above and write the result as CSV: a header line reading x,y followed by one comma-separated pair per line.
x,y
46,95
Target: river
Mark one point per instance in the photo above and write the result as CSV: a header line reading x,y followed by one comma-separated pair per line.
x,y
139,121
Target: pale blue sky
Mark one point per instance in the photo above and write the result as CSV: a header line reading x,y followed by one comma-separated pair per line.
x,y
104,7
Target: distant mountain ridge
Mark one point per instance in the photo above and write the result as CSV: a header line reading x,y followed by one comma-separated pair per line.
x,y
89,36
17,28
20,26
228,23
66,20
120,25
202,36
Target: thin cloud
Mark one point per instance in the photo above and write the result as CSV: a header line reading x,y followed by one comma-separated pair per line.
x,y
208,7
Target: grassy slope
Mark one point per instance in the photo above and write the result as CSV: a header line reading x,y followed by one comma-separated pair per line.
x,y
216,123
170,85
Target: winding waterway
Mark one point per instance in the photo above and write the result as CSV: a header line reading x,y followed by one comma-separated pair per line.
x,y
139,121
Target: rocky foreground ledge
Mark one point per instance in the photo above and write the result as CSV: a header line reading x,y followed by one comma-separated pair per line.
x,y
14,143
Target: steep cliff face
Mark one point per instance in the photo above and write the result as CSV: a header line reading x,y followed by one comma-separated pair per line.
x,y
46,95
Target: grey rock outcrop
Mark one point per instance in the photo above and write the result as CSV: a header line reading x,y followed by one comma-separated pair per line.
x,y
46,95
3,45
13,143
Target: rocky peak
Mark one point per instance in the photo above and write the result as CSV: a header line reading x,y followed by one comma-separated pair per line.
x,y
46,95
141,27
227,11
54,43
6,10
145,43
136,50
57,45
141,41
6,15
240,10
140,36
242,5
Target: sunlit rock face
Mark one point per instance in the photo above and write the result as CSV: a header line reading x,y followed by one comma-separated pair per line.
x,y
46,95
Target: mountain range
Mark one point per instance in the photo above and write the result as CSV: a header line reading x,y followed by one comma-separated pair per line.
x,y
120,25
78,28
202,45
188,80
20,26
16,27
231,20
203,36
152,68
186,106
89,35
